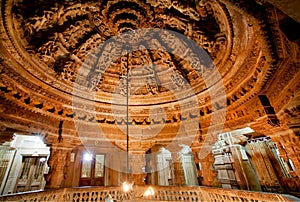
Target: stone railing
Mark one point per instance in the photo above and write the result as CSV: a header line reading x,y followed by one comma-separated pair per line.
x,y
162,193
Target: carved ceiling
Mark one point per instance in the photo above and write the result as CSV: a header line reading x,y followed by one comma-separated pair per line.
x,y
48,45
60,36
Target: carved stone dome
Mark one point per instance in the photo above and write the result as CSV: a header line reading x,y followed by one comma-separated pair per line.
x,y
60,37
68,61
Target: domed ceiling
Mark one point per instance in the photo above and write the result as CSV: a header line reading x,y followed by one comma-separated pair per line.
x,y
69,63
60,36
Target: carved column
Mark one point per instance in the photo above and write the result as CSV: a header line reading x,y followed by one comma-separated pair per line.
x,y
287,143
151,165
224,162
178,169
115,169
58,163
244,173
198,165
150,169
289,149
154,170
5,134
207,171
137,164
258,149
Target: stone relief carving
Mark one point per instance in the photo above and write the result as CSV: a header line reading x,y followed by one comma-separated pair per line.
x,y
69,31
72,34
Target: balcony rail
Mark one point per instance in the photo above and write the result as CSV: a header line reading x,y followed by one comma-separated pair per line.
x,y
162,193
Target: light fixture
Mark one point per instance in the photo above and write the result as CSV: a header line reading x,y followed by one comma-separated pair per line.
x,y
149,192
130,194
127,186
87,157
43,159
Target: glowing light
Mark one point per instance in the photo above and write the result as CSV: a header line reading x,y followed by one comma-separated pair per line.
x,y
43,159
88,157
149,192
127,186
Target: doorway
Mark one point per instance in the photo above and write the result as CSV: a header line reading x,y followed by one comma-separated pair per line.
x,y
92,170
